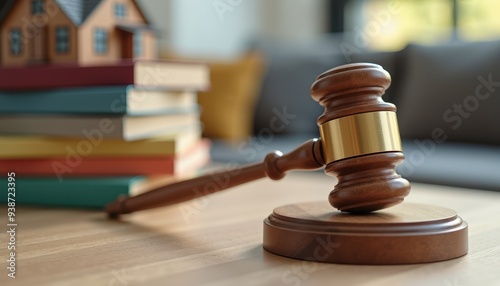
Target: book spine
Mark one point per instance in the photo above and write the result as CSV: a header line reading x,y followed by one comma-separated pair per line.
x,y
96,100
59,167
70,126
33,147
58,76
88,193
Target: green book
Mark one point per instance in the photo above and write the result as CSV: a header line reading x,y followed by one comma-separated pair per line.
x,y
86,192
115,100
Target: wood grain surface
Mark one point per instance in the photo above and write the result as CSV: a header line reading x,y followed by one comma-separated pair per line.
x,y
217,240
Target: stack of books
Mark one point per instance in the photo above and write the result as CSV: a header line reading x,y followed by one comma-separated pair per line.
x,y
79,136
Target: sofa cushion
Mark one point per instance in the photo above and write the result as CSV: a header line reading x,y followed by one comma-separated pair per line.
x,y
255,149
452,90
291,71
228,107
453,164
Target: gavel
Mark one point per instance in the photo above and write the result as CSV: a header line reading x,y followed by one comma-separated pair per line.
x,y
359,144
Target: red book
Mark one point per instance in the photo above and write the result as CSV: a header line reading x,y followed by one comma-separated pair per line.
x,y
180,165
147,74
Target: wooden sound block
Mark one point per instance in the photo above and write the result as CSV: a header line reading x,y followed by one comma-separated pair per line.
x,y
404,234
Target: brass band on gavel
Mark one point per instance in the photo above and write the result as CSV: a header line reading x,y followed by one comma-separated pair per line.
x,y
360,134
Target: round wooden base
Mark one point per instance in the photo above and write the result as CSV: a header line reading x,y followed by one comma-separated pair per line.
x,y
404,234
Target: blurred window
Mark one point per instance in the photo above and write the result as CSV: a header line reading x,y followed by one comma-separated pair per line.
x,y
62,39
478,19
137,44
100,41
36,7
120,10
16,43
391,25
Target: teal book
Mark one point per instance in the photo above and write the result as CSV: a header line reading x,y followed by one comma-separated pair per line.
x,y
85,192
115,100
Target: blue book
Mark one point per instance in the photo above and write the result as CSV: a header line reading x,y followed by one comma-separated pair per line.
x,y
116,100
86,192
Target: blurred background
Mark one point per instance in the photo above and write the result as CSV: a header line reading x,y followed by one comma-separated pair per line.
x,y
265,55
224,28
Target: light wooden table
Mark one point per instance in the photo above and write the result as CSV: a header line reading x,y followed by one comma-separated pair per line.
x,y
218,241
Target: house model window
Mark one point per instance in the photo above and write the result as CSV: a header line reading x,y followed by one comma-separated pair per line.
x,y
36,7
74,31
100,41
120,10
62,40
137,44
16,44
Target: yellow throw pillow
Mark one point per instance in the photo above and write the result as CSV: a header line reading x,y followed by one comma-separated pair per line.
x,y
228,107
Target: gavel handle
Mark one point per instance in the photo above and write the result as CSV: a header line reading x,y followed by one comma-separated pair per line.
x,y
308,156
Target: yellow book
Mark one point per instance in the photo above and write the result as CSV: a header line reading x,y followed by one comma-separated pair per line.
x,y
16,147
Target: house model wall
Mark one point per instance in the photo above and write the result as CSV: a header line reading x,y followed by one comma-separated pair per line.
x,y
74,31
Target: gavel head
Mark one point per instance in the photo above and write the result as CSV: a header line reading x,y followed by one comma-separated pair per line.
x,y
360,138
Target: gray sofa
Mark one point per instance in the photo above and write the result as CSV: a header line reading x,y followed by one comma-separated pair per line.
x,y
448,99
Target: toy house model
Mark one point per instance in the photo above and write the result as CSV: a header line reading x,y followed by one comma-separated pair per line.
x,y
78,31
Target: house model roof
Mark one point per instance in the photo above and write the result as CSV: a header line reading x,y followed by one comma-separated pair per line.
x,y
76,10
